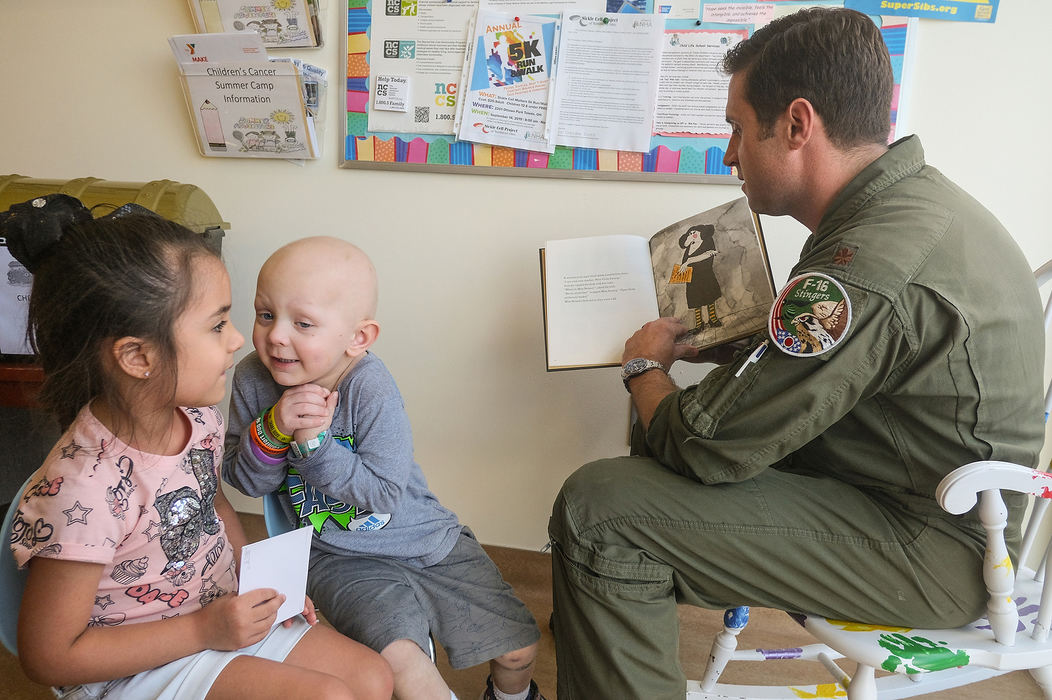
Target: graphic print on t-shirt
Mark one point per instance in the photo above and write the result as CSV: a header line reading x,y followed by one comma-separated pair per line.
x,y
313,506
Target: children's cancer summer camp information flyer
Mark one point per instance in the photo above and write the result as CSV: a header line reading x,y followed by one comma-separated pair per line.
x,y
243,104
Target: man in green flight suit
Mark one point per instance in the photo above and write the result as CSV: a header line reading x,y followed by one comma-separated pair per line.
x,y
801,474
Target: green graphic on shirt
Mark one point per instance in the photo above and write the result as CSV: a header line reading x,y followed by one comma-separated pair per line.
x,y
916,654
315,507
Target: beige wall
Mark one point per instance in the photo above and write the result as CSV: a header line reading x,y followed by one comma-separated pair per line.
x,y
90,88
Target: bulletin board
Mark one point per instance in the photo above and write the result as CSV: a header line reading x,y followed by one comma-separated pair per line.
x,y
671,158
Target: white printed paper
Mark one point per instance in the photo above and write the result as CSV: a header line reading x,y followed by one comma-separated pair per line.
x,y
391,93
692,94
608,79
278,562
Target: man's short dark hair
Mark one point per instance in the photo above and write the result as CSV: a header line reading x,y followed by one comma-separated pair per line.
x,y
834,58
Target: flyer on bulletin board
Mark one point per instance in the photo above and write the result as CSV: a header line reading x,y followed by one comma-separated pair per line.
x,y
509,82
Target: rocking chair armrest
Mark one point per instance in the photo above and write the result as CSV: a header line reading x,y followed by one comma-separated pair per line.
x,y
1043,274
959,490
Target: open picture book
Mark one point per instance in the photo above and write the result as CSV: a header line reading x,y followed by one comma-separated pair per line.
x,y
709,270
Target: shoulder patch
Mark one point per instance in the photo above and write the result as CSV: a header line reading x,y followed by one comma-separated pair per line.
x,y
811,315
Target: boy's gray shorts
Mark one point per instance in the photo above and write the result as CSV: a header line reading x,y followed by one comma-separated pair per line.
x,y
462,601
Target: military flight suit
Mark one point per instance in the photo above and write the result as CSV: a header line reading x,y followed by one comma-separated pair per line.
x,y
806,481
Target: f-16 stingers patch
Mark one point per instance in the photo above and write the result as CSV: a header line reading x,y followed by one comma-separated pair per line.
x,y
810,316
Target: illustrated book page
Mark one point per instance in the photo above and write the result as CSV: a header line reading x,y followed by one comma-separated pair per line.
x,y
712,273
709,270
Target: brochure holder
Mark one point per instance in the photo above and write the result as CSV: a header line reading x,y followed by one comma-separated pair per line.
x,y
244,105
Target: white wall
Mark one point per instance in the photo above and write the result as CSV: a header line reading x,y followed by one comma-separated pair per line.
x,y
90,88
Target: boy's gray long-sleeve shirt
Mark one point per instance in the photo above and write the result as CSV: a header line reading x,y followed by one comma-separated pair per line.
x,y
361,490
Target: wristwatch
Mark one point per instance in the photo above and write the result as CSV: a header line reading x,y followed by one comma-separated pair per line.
x,y
636,366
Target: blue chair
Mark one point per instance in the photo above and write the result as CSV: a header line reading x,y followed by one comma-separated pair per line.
x,y
276,521
12,580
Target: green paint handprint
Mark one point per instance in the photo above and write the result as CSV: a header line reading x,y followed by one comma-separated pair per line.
x,y
925,654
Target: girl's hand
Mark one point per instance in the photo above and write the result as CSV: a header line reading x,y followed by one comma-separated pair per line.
x,y
303,407
310,613
237,621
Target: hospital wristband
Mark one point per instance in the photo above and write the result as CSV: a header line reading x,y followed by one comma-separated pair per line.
x,y
304,449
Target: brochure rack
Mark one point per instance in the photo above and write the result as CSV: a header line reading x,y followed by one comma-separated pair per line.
x,y
244,105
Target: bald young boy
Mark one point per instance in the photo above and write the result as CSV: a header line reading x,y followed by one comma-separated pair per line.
x,y
317,417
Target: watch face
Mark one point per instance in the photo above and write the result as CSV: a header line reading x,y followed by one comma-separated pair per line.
x,y
638,365
635,365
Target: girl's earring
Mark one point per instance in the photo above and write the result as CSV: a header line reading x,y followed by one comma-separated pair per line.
x,y
146,374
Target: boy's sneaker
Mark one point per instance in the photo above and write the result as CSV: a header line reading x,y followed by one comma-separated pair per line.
x,y
487,694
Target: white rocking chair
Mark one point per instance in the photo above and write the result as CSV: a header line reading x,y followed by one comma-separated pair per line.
x,y
1014,634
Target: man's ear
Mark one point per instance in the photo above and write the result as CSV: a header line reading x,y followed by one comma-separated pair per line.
x,y
364,336
801,122
134,356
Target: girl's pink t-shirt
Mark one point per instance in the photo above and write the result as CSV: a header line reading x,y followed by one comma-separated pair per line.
x,y
149,519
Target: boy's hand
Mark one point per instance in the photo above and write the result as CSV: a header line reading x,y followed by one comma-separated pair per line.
x,y
304,434
303,408
237,621
310,613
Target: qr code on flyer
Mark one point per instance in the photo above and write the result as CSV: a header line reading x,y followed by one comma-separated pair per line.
x,y
422,115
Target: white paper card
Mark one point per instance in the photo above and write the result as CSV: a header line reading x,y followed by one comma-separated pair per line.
x,y
391,93
278,562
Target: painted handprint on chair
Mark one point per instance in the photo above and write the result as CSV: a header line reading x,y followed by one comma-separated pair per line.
x,y
917,654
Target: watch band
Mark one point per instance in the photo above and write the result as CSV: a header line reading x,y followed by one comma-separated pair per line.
x,y
637,366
